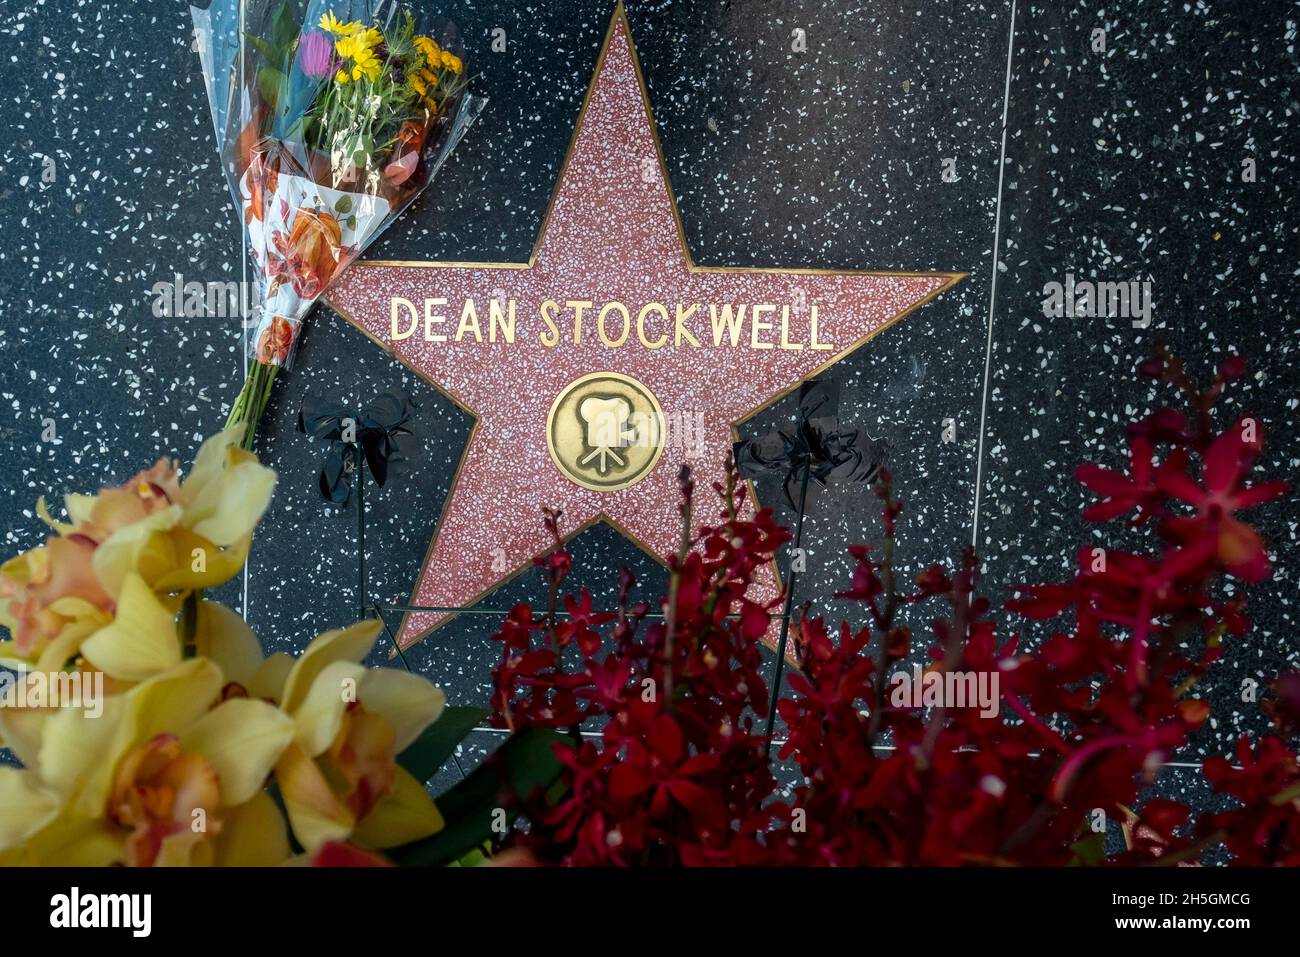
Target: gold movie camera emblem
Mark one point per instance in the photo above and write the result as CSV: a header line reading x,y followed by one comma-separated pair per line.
x,y
605,431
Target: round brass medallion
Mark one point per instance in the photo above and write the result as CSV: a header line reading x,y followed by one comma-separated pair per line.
x,y
605,431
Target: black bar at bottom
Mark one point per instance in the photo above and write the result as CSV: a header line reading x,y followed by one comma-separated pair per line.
x,y
369,906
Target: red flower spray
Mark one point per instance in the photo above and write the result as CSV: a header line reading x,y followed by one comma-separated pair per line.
x,y
677,774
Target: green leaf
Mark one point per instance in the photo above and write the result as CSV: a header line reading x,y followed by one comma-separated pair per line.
x,y
301,128
269,84
1089,851
524,763
475,858
430,751
266,50
343,207
284,29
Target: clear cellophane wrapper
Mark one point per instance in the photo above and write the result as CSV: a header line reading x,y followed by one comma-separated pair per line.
x,y
312,201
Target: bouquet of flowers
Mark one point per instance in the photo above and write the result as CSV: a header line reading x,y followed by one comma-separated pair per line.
x,y
331,116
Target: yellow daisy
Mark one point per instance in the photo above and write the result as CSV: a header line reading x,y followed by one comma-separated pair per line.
x,y
334,25
366,64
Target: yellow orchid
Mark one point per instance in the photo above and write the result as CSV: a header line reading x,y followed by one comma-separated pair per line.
x,y
141,642
170,535
339,778
169,774
169,763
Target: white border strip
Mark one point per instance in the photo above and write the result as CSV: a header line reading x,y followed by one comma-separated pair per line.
x,y
993,288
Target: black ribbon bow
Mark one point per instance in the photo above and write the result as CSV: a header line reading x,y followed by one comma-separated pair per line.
x,y
832,454
379,431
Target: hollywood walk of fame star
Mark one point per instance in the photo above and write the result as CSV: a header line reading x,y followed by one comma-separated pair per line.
x,y
611,234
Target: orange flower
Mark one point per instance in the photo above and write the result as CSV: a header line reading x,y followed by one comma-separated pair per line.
x,y
406,154
64,570
263,178
259,189
275,341
312,251
160,791
411,135
363,756
45,590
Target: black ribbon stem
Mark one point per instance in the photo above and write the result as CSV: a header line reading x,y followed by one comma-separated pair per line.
x,y
361,536
397,648
789,604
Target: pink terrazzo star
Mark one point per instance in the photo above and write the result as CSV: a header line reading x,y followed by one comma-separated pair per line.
x,y
612,234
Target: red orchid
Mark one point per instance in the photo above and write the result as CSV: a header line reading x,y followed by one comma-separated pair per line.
x,y
1221,494
661,770
1138,490
1265,829
581,623
1088,713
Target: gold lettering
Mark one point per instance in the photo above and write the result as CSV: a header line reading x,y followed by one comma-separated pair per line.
x,y
680,326
468,321
579,306
727,322
552,338
507,323
600,324
415,318
640,325
785,331
733,324
815,345
430,318
757,325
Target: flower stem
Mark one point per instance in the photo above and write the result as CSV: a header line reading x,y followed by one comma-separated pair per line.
x,y
252,399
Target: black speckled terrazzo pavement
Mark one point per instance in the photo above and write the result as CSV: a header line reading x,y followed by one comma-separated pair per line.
x,y
877,147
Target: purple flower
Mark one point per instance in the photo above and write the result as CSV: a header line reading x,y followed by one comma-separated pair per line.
x,y
316,56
